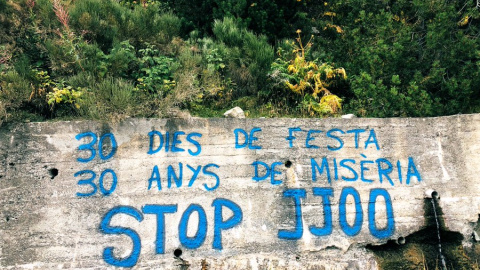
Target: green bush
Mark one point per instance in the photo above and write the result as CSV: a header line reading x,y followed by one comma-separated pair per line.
x,y
404,58
274,19
228,32
105,99
65,54
122,60
100,21
244,51
151,25
155,72
428,46
15,89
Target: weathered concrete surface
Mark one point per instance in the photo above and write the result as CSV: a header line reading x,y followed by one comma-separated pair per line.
x,y
45,224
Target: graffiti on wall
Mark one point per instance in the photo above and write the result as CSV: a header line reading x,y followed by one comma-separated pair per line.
x,y
228,214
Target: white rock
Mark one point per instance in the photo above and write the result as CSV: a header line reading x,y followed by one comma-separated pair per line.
x,y
349,116
236,112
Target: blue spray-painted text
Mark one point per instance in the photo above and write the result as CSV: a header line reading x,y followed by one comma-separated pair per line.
x,y
220,224
326,193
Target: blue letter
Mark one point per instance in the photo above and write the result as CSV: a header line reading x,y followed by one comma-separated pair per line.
x,y
171,174
290,137
114,182
197,240
357,225
253,138
355,175
307,145
327,212
384,172
273,173
267,173
151,134
372,139
160,211
176,142
192,141
155,176
217,183
219,224
195,174
357,133
236,131
363,168
297,194
390,229
105,227
330,135
412,171
315,167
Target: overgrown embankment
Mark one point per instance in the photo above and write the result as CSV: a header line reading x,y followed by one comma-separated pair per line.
x,y
112,59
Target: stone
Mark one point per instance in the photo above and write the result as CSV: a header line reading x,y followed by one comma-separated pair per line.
x,y
236,112
348,116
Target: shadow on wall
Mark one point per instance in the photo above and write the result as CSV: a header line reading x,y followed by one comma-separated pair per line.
x,y
421,250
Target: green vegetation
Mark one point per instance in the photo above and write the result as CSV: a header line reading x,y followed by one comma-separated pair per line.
x,y
109,59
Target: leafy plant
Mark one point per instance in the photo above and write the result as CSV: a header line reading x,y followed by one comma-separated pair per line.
x,y
309,79
42,84
65,95
65,52
121,61
155,76
214,60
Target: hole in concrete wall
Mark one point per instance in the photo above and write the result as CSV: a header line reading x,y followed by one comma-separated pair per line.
x,y
288,164
177,252
53,172
1,176
11,164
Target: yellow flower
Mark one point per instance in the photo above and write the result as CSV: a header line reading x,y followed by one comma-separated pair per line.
x,y
464,21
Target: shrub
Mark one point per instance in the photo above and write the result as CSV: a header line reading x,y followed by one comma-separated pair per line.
x,y
115,94
155,72
428,46
65,54
244,50
65,95
100,21
15,89
105,99
121,61
228,32
309,79
274,19
151,25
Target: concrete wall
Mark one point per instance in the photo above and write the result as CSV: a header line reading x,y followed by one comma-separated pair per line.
x,y
90,195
